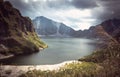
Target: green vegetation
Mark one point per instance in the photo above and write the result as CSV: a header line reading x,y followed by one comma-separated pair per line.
x,y
17,32
108,53
27,43
32,37
108,58
102,63
85,69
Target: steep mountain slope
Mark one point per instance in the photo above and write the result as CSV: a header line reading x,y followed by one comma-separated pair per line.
x,y
108,31
112,27
17,35
108,57
45,26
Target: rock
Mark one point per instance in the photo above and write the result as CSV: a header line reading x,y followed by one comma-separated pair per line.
x,y
45,26
17,33
107,30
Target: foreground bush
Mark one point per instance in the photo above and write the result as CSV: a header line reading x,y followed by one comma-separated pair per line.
x,y
84,69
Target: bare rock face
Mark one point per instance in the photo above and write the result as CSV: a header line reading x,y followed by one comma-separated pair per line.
x,y
108,31
17,35
112,27
47,27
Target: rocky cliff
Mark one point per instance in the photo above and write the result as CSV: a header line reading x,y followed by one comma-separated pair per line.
x,y
112,27
45,26
107,31
17,35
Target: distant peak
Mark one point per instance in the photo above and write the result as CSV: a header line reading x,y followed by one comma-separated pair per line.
x,y
41,17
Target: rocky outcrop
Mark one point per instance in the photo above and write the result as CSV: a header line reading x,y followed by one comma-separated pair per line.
x,y
45,26
112,27
107,31
65,30
17,35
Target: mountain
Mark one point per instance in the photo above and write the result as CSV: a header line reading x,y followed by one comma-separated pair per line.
x,y
108,31
45,26
112,27
48,27
17,35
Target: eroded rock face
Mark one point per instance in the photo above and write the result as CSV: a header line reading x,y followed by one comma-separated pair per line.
x,y
45,26
17,34
112,27
108,31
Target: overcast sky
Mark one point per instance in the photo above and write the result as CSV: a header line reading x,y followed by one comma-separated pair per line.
x,y
78,14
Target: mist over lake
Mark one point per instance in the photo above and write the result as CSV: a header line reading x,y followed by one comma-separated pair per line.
x,y
59,50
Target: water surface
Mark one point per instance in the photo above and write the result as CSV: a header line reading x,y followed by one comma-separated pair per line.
x,y
59,50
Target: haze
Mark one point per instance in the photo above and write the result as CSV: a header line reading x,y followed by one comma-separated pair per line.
x,y
78,14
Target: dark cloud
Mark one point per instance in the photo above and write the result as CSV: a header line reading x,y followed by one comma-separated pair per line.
x,y
80,4
101,9
84,4
111,9
27,9
19,4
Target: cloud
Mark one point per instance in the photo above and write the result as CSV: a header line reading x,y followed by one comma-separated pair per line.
x,y
83,4
108,9
78,14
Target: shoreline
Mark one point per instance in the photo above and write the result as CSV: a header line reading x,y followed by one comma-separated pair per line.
x,y
16,70
2,57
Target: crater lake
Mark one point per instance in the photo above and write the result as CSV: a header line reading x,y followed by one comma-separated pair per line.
x,y
59,50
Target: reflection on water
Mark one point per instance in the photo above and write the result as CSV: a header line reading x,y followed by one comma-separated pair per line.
x,y
59,50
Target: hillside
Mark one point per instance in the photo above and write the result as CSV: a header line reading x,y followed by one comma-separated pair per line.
x,y
109,56
17,35
112,27
104,62
48,27
108,32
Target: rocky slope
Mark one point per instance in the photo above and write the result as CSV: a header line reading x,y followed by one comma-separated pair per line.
x,y
112,27
108,30
109,56
17,35
45,26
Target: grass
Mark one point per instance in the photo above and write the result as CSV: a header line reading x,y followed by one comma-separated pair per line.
x,y
27,43
110,52
108,58
32,37
102,63
18,41
84,69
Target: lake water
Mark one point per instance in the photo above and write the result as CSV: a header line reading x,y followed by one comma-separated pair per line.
x,y
59,50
